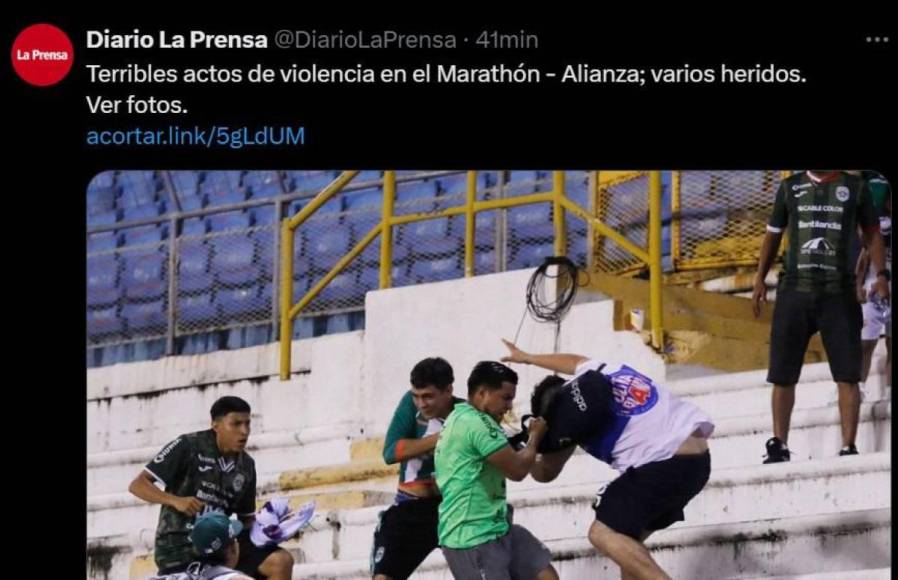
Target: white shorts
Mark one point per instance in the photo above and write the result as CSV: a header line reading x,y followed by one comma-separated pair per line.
x,y
877,320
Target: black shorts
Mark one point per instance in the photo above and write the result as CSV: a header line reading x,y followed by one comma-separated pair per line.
x,y
797,316
251,555
652,496
406,533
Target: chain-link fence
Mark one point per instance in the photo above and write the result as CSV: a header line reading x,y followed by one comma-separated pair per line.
x,y
719,217
624,207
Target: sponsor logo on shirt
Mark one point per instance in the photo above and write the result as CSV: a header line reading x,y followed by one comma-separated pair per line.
x,y
578,397
821,225
204,459
226,465
164,453
802,186
204,468
826,208
817,247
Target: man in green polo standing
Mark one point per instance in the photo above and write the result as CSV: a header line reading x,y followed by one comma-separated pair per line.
x,y
472,460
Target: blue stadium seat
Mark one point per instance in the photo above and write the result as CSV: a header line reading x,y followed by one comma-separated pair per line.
x,y
143,212
143,235
338,323
415,197
333,205
138,188
101,200
102,280
256,179
102,242
186,183
531,222
265,191
264,215
369,278
102,219
223,188
526,182
485,261
144,275
455,184
531,255
233,261
103,321
309,180
192,202
193,267
239,302
326,248
195,226
364,200
431,238
367,175
434,270
576,188
196,309
304,327
145,316
229,220
105,179
342,288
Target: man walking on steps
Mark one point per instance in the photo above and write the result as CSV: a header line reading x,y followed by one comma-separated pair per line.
x,y
816,291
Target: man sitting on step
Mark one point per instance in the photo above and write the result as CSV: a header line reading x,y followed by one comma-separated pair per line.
x,y
655,439
407,532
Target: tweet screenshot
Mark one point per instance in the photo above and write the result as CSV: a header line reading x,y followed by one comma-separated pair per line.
x,y
588,296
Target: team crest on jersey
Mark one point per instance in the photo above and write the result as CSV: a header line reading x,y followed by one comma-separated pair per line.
x,y
634,393
842,193
239,480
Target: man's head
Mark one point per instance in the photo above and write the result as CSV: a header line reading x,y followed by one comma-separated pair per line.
x,y
214,537
432,380
491,388
544,393
230,421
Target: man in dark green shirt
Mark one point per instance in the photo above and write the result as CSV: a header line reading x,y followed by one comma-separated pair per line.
x,y
203,472
407,532
821,211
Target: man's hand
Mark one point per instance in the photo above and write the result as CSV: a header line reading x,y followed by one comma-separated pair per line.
x,y
515,355
758,296
861,293
537,429
187,505
881,287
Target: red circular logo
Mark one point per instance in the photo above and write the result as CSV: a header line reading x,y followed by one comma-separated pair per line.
x,y
42,55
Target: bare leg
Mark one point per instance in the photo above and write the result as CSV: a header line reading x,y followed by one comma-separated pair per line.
x,y
849,410
782,401
633,558
642,538
868,347
277,566
548,574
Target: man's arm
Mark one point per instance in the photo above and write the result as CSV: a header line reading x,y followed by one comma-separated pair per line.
x,y
142,487
548,466
873,242
769,249
401,442
515,465
560,363
860,273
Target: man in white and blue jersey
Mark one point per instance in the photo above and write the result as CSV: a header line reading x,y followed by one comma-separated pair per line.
x,y
657,441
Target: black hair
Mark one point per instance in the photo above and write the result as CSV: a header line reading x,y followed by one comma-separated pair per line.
x,y
432,371
490,374
226,405
543,394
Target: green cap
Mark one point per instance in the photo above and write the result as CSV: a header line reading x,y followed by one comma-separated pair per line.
x,y
213,531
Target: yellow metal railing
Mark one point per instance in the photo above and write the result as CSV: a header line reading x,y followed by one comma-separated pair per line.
x,y
560,203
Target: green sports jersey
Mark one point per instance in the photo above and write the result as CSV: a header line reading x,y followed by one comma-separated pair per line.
x,y
820,218
408,423
474,508
192,465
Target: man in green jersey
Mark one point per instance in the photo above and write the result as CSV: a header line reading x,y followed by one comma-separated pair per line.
x,y
202,472
407,531
821,211
472,459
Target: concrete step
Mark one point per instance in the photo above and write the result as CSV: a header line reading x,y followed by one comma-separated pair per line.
x,y
830,543
736,442
731,495
877,574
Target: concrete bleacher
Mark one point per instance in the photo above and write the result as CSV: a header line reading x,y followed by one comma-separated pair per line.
x,y
318,436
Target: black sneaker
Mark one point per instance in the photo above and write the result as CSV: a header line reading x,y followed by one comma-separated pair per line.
x,y
777,451
848,450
